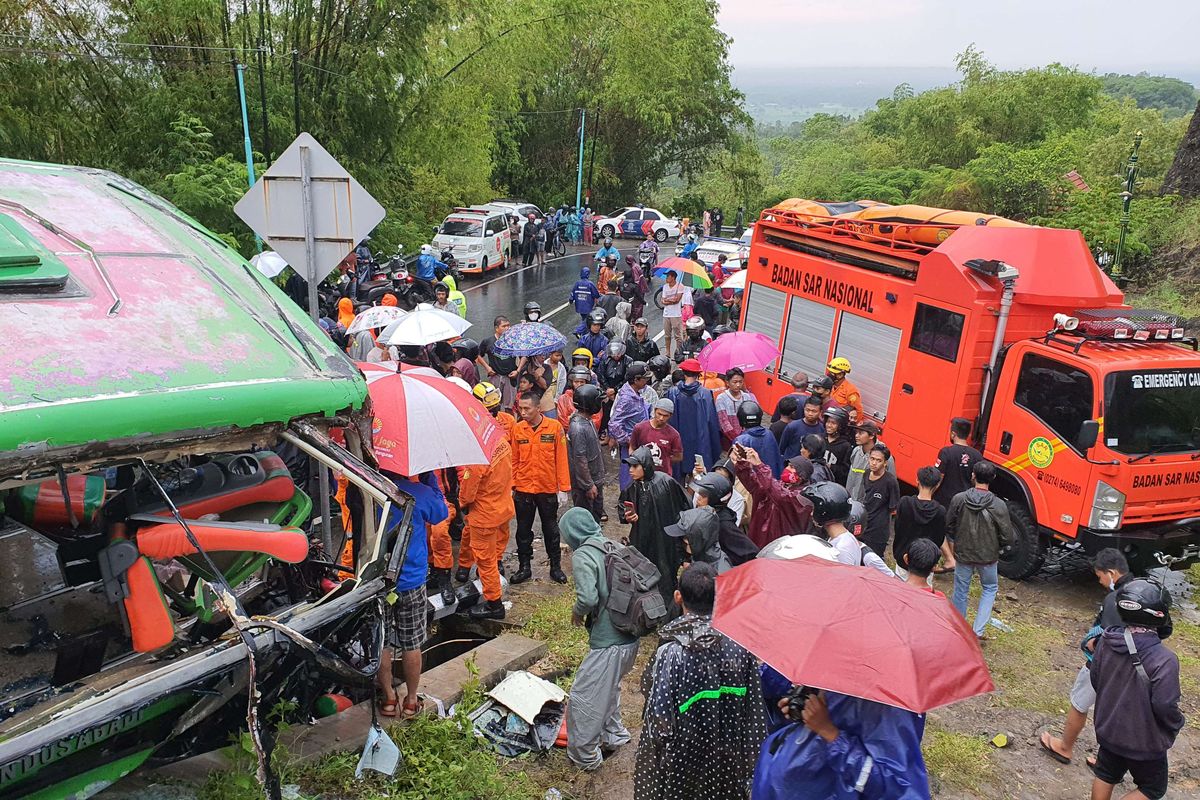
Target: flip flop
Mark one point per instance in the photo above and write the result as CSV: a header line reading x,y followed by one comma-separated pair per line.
x,y
1091,763
387,709
1044,741
411,711
942,570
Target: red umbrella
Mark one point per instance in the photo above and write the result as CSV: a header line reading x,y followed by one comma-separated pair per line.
x,y
424,422
742,349
852,630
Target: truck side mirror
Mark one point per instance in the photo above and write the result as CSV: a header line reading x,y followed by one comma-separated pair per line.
x,y
1089,432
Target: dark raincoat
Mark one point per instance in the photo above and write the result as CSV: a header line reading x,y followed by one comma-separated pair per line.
x,y
703,723
657,500
876,755
696,420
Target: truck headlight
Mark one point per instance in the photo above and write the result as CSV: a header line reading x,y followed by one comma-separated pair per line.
x,y
1108,505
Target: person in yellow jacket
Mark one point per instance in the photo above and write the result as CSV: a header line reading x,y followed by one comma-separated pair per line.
x,y
844,393
486,497
457,300
541,479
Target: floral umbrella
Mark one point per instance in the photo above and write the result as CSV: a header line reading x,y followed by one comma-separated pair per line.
x,y
530,339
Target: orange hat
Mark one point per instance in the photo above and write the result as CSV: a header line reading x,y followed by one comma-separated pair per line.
x,y
389,299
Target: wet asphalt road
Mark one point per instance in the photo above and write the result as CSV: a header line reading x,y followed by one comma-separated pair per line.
x,y
506,292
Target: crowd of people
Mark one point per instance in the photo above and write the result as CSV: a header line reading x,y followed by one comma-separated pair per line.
x,y
704,480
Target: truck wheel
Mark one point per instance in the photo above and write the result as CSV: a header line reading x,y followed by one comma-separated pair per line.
x,y
1029,551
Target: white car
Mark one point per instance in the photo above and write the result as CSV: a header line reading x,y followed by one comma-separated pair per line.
x,y
736,250
478,236
518,208
637,222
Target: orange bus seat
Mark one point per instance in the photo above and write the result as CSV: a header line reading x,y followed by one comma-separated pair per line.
x,y
150,623
169,540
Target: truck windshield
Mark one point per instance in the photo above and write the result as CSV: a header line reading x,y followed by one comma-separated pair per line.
x,y
1153,411
462,227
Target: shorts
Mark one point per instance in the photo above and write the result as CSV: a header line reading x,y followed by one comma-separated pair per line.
x,y
1150,777
410,620
1083,696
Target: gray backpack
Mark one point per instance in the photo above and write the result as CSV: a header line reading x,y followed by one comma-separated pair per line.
x,y
634,605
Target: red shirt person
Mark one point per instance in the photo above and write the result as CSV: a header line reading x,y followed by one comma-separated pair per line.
x,y
657,434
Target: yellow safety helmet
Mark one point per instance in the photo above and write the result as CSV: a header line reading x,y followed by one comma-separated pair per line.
x,y
487,394
838,366
582,352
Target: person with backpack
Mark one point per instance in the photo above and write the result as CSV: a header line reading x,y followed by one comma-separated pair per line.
x,y
651,502
978,524
594,720
703,723
1136,679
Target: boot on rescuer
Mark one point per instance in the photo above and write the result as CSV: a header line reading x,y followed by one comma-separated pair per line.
x,y
1089,408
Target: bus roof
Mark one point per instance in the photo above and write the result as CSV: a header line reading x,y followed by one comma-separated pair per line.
x,y
158,327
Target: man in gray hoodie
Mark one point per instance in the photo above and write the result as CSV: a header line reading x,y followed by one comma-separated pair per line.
x,y
978,524
594,720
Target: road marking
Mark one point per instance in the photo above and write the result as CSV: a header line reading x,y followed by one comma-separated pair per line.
x,y
552,313
514,272
661,334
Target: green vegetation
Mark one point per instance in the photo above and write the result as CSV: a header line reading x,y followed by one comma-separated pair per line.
x,y
1023,667
428,103
550,622
1173,97
956,760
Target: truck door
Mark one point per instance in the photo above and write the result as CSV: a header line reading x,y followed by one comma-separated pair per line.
x,y
1041,402
925,387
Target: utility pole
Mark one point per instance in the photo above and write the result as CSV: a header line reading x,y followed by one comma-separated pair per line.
x,y
579,172
240,70
296,89
592,157
1131,171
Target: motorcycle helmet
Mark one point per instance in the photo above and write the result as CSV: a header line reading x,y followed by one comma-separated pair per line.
x,y
608,241
838,413
467,348
597,317
787,548
1143,602
487,394
857,519
587,399
426,249
721,330
695,324
713,486
838,367
637,369
582,355
831,502
616,349
579,373
749,414
660,365
691,237
533,311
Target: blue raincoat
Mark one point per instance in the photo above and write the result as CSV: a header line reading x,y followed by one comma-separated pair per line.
x,y
427,267
596,342
876,755
605,253
763,442
696,420
584,293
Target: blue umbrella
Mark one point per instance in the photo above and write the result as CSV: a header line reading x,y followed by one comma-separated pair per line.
x,y
530,339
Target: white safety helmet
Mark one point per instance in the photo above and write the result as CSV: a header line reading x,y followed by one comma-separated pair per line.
x,y
426,250
787,548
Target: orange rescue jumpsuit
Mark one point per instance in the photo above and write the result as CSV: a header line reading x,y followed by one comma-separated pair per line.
x,y
441,550
485,494
466,557
846,394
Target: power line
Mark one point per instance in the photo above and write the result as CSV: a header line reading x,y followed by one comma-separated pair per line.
x,y
108,57
103,43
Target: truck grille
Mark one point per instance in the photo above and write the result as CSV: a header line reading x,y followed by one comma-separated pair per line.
x,y
1160,510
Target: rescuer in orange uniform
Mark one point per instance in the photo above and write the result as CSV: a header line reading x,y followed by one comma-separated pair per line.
x,y
540,476
487,394
441,551
485,494
844,392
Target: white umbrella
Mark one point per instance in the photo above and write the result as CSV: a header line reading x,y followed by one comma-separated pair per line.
x,y
375,317
269,263
424,326
735,281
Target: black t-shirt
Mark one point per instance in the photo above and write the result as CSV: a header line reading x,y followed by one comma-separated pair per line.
x,y
918,519
777,429
955,462
880,499
502,364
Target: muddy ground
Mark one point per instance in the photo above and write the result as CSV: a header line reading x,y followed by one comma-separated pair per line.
x,y
1033,667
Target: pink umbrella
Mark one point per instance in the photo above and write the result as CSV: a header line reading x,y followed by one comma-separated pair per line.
x,y
747,351
425,422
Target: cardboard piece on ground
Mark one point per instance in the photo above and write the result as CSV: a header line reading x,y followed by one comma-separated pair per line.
x,y
524,694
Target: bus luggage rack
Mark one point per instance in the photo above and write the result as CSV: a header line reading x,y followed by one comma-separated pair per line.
x,y
896,237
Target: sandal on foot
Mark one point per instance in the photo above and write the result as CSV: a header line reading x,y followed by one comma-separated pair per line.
x,y
411,711
1044,741
387,709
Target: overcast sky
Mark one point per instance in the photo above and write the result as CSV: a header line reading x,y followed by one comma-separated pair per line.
x,y
1106,35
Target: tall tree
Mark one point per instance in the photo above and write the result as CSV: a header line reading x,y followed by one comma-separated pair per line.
x,y
1183,178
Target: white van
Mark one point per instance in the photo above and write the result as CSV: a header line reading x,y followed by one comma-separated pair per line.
x,y
477,236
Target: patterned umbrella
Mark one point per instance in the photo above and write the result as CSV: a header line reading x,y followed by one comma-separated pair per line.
x,y
374,317
744,350
691,273
530,339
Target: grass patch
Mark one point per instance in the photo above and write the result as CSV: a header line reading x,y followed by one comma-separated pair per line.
x,y
957,760
1023,670
550,622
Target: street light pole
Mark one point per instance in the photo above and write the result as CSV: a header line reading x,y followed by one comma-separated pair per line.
x,y
1131,172
579,172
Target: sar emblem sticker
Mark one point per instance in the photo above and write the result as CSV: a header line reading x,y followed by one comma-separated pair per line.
x,y
1041,452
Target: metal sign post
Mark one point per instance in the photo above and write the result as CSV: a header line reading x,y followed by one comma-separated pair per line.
x,y
313,213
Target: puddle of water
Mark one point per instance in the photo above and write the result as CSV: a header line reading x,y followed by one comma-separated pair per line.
x,y
1181,589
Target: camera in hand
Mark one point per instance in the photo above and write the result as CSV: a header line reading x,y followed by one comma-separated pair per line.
x,y
796,698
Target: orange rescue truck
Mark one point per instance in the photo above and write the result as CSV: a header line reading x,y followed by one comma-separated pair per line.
x,y
1090,408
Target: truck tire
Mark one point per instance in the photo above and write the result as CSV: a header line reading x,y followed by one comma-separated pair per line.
x,y
1029,552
